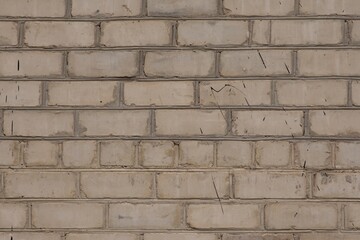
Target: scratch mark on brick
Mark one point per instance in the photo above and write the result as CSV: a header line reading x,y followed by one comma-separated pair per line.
x,y
217,194
287,68
262,60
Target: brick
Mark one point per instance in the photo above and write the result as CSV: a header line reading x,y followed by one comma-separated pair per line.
x,y
30,64
103,64
102,236
307,32
355,92
59,34
259,7
336,185
259,236
114,122
244,93
239,216
9,33
152,93
38,123
34,8
136,33
313,154
117,153
10,153
106,8
329,236
234,154
355,32
273,154
347,155
145,216
255,63
79,153
202,122
352,219
13,215
157,154
334,122
279,123
179,64
83,93
67,215
266,184
328,62
300,216
40,185
329,7
41,153
182,8
180,236
201,32
20,93
311,93
192,185
261,32
30,235
196,154
116,185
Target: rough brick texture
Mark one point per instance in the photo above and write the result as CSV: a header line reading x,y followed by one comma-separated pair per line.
x,y
179,119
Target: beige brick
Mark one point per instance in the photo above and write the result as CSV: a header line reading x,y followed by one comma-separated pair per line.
x,y
193,185
8,34
83,93
59,34
259,236
117,153
103,64
261,32
182,8
356,92
38,123
145,216
30,235
102,236
152,93
41,153
309,32
300,216
157,154
273,154
33,8
313,154
79,153
255,63
136,33
259,7
201,32
352,219
268,123
329,236
20,93
196,154
347,155
311,93
335,122
180,236
207,216
235,93
266,184
114,122
355,32
30,64
106,8
40,185
13,215
10,152
329,7
116,185
67,215
179,64
328,62
202,122
336,185
234,154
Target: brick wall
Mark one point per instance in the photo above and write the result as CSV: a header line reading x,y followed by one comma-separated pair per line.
x,y
179,119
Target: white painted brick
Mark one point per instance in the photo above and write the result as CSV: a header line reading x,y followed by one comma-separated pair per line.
x,y
41,153
117,153
8,34
259,7
182,8
157,154
33,8
20,93
79,153
273,153
234,154
106,8
196,154
10,153
13,215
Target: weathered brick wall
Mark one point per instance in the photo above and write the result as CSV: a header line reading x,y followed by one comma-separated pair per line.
x,y
179,119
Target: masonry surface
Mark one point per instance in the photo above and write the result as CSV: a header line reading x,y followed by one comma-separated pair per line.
x,y
179,119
